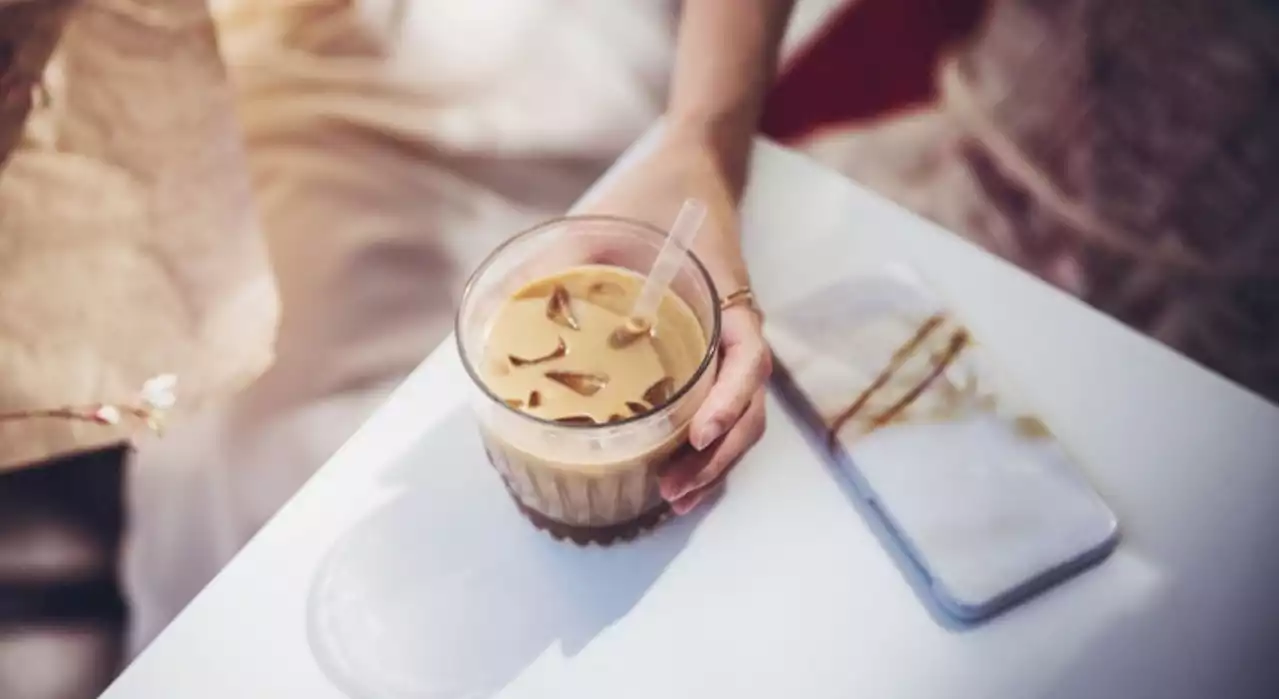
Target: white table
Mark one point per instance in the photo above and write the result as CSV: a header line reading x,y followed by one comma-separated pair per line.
x,y
780,590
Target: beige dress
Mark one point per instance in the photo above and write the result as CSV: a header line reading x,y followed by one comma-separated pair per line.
x,y
129,241
1125,151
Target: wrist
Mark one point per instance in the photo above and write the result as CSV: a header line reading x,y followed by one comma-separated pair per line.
x,y
726,142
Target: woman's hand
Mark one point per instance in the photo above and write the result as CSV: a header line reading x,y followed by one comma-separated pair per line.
x,y
731,419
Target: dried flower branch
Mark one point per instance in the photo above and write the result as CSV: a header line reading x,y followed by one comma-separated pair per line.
x,y
155,398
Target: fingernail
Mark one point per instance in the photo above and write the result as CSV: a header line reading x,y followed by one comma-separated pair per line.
x,y
672,493
684,507
710,432
684,492
689,504
693,485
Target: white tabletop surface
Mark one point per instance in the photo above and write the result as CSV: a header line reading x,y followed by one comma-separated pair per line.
x,y
780,589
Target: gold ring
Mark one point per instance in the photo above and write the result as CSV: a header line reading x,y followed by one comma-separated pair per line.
x,y
742,296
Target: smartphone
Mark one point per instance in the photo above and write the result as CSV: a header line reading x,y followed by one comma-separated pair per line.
x,y
976,493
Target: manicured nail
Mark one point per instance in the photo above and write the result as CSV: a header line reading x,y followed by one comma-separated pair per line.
x,y
698,482
670,493
683,492
710,432
684,506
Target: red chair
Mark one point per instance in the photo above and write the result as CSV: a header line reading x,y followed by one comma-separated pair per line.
x,y
870,58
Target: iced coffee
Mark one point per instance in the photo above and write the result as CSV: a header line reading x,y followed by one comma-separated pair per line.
x,y
577,422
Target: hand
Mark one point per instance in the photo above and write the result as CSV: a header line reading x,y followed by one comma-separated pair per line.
x,y
732,418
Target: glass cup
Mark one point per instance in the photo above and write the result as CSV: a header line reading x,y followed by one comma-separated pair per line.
x,y
588,483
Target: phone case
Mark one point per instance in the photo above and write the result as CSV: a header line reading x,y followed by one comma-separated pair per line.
x,y
980,496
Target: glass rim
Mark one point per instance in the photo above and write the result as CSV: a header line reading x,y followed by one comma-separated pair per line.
x,y
655,234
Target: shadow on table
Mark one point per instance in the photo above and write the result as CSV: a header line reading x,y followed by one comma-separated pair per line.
x,y
446,591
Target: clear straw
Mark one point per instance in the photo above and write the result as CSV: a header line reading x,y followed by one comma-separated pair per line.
x,y
686,227
643,316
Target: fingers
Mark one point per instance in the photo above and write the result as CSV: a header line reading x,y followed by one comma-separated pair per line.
x,y
745,367
690,502
693,476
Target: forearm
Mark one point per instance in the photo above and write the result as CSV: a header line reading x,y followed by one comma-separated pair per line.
x,y
726,60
